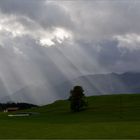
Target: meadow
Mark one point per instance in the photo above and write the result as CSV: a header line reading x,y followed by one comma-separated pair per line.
x,y
107,116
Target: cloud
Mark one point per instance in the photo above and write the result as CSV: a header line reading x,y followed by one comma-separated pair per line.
x,y
128,41
42,28
52,41
45,14
58,35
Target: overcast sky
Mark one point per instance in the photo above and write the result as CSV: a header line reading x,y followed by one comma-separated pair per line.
x,y
54,40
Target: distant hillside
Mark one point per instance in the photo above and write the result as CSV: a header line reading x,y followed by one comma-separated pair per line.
x,y
100,84
110,83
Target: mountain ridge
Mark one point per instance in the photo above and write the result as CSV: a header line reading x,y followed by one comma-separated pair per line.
x,y
98,84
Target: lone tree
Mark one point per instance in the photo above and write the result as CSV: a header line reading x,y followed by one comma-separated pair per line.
x,y
77,99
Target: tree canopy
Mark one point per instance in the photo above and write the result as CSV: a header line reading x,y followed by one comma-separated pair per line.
x,y
77,99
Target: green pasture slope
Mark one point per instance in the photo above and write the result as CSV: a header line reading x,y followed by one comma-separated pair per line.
x,y
112,116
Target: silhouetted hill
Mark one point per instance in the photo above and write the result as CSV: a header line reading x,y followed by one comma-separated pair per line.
x,y
99,84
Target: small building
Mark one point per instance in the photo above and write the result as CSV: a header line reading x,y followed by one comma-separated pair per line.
x,y
11,109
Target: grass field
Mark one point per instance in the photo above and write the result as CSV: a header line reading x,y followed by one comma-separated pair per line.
x,y
111,116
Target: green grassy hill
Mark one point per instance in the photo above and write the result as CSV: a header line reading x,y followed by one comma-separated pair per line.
x,y
110,116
